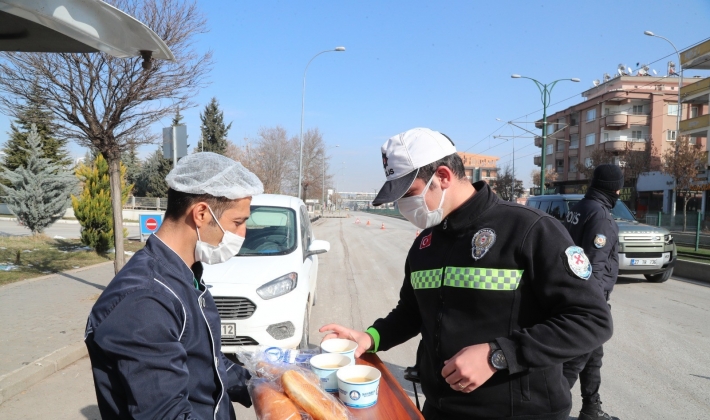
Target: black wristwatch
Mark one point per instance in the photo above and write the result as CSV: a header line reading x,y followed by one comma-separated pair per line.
x,y
496,358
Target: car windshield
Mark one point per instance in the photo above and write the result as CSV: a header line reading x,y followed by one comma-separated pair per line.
x,y
270,231
620,211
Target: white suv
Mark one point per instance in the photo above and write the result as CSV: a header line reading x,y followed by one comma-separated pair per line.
x,y
265,293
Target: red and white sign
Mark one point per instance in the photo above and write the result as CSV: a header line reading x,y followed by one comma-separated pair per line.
x,y
151,224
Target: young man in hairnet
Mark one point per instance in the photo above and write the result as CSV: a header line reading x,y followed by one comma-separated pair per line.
x,y
154,334
498,292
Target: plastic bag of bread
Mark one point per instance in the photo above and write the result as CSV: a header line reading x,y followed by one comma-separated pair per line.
x,y
270,403
309,397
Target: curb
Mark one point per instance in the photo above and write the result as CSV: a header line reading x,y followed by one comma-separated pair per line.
x,y
692,270
19,380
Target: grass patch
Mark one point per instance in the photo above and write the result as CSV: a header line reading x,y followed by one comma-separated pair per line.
x,y
42,255
702,253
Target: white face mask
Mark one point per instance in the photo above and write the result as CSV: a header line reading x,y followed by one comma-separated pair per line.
x,y
416,211
227,248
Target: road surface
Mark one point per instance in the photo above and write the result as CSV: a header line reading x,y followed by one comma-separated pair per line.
x,y
657,365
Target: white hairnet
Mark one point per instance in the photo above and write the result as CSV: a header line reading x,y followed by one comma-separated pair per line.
x,y
213,174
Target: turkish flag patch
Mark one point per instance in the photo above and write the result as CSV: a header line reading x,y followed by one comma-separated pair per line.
x,y
426,241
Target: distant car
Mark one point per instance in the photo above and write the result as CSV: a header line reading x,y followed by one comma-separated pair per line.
x,y
643,249
265,293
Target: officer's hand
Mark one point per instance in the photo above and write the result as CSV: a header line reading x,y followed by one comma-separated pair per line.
x,y
469,368
363,339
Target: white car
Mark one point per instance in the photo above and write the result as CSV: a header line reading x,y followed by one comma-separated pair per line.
x,y
265,293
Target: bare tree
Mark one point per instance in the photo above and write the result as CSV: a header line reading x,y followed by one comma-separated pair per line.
x,y
313,155
636,162
597,157
109,103
684,163
550,177
271,158
506,186
235,152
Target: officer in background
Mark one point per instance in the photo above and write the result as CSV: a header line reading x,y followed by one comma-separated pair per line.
x,y
592,227
498,292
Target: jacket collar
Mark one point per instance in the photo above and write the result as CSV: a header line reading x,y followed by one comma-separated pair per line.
x,y
464,216
600,197
169,260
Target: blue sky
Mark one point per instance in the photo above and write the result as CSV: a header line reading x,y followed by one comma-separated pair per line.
x,y
442,65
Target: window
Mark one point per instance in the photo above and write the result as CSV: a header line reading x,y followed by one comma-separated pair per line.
x,y
544,206
560,145
588,162
560,166
637,110
672,109
573,164
670,135
590,139
549,149
591,114
607,111
636,135
606,138
574,141
548,166
573,119
558,210
270,231
693,112
550,128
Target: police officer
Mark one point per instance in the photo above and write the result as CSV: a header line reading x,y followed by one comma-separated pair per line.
x,y
592,227
154,334
498,292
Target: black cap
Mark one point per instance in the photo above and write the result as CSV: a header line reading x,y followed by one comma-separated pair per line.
x,y
608,177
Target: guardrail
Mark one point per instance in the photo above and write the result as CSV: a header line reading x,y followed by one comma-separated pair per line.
x,y
691,230
146,203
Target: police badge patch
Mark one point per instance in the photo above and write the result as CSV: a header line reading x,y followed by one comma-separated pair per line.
x,y
482,241
599,240
578,263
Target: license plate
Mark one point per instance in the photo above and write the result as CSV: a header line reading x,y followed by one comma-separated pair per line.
x,y
229,330
643,262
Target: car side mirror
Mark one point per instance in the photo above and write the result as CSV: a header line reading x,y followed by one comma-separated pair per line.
x,y
318,246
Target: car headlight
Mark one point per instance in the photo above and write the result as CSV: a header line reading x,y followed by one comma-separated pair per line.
x,y
278,287
668,239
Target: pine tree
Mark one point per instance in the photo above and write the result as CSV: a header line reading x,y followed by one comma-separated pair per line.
x,y
151,181
93,206
213,130
130,159
40,189
34,112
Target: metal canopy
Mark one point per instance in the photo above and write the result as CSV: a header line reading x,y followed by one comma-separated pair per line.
x,y
75,26
697,57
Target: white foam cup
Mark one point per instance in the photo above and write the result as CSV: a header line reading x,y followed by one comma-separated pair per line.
x,y
340,346
358,385
325,365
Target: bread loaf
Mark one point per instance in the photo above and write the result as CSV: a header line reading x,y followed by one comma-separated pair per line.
x,y
271,404
311,398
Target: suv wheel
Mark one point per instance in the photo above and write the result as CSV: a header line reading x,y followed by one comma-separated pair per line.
x,y
660,277
303,345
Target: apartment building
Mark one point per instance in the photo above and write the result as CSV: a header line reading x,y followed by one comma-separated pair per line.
x,y
620,114
480,167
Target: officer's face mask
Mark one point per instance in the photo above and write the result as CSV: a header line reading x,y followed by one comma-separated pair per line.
x,y
416,211
227,248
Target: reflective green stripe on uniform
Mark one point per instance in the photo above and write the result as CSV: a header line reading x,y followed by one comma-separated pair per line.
x,y
482,278
426,279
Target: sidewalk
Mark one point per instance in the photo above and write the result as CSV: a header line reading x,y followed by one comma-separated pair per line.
x,y
42,315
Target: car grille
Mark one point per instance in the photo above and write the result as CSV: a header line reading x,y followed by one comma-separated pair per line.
x,y
643,238
239,341
234,307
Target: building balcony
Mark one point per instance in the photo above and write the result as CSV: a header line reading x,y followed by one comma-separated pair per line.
x,y
573,152
695,93
537,160
538,141
538,124
639,119
574,129
621,145
616,120
697,126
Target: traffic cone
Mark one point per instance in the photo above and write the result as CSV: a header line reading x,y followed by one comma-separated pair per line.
x,y
383,226
368,223
416,234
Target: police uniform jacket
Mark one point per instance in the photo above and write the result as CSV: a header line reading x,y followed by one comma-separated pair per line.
x,y
154,342
497,271
592,227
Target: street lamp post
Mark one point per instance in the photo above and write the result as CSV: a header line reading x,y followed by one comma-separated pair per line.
x,y
324,194
303,104
545,91
680,107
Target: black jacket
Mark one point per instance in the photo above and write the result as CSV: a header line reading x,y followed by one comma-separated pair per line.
x,y
154,344
592,227
520,292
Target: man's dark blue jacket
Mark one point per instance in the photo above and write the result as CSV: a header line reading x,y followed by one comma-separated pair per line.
x,y
154,344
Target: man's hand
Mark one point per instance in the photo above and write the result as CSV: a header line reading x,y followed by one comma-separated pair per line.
x,y
363,339
469,368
